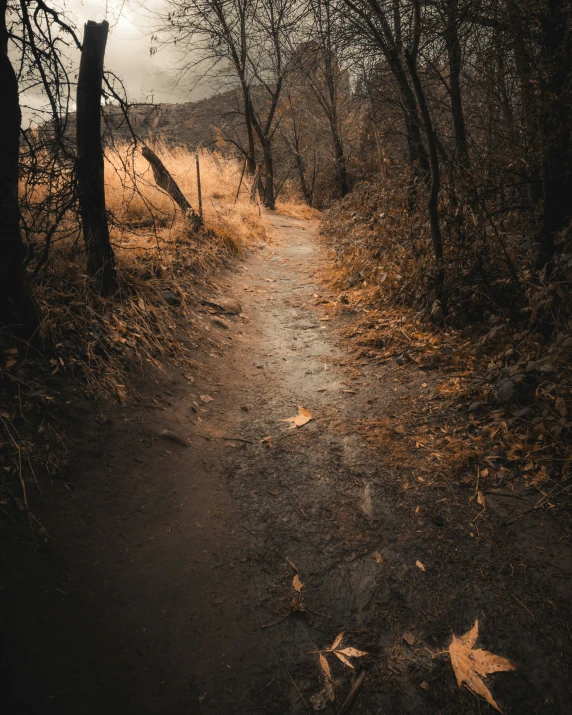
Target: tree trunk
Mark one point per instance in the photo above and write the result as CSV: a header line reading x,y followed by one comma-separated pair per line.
x,y
90,166
17,311
251,155
435,183
454,56
557,145
340,158
269,199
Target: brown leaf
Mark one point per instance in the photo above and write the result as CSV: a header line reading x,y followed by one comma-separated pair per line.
x,y
470,665
481,499
409,638
297,583
325,666
561,406
121,394
378,557
337,640
352,652
420,565
343,658
300,419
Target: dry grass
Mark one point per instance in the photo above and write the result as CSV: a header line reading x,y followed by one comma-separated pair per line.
x,y
99,341
298,209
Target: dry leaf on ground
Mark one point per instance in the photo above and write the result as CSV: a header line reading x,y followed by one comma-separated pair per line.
x,y
344,653
300,419
297,583
420,565
470,665
378,557
481,499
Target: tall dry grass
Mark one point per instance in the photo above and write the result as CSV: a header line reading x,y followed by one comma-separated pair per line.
x,y
157,253
132,196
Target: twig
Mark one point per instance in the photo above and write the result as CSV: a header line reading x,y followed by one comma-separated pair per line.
x,y
353,692
294,684
269,625
173,524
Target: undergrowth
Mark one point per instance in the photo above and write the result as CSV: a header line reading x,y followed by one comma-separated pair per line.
x,y
164,266
502,339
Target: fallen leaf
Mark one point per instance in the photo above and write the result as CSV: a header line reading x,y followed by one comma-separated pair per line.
x,y
337,640
424,685
343,658
481,499
470,665
420,565
409,638
325,666
300,419
121,394
267,441
378,557
352,652
297,583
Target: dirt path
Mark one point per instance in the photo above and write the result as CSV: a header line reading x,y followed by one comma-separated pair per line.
x,y
165,561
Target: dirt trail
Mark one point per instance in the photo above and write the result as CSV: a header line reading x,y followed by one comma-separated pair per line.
x,y
166,561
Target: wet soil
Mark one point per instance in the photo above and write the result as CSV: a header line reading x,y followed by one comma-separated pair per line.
x,y
167,582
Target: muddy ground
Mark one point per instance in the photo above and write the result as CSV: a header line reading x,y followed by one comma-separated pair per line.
x,y
168,582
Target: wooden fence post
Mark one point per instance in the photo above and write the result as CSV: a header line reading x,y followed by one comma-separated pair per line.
x,y
240,182
89,165
165,181
199,185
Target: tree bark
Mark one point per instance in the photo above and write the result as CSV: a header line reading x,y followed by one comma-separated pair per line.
x,y
454,56
435,182
557,145
90,165
17,311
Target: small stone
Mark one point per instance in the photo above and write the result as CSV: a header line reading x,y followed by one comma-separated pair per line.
x,y
230,306
170,298
475,406
424,685
220,323
437,314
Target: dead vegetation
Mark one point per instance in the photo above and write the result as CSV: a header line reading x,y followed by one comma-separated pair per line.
x,y
504,391
164,266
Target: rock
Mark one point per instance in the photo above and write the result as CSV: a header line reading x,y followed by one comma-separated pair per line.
x,y
506,391
173,437
475,406
437,313
220,323
230,306
170,298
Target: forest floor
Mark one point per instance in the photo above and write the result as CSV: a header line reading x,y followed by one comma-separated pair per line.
x,y
170,582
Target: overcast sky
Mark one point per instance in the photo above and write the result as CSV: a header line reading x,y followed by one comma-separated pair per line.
x,y
146,77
